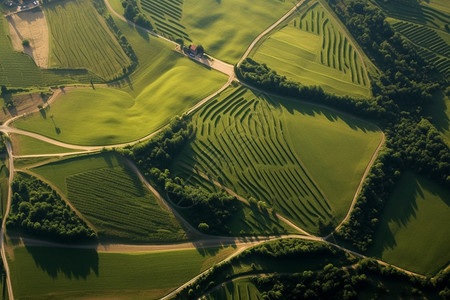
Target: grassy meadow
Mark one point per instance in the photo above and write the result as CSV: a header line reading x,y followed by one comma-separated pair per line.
x,y
413,231
25,145
110,195
256,146
80,38
164,84
312,50
43,272
224,28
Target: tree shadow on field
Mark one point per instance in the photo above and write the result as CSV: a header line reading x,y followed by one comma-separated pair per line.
x,y
70,262
400,210
293,106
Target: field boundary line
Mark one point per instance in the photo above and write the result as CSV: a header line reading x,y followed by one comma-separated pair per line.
x,y
242,199
361,183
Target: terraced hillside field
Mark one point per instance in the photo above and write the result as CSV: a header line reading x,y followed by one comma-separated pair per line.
x,y
109,194
312,50
80,38
224,28
253,145
432,45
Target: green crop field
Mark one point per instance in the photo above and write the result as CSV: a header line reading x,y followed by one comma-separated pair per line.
x,y
25,145
432,45
434,13
242,289
164,84
109,194
80,38
312,50
19,70
255,145
41,272
224,28
413,231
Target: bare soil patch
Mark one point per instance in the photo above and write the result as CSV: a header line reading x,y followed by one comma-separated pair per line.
x,y
31,25
23,103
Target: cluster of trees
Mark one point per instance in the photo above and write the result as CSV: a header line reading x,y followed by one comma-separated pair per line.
x,y
39,210
159,151
336,283
261,76
133,13
291,248
406,77
211,210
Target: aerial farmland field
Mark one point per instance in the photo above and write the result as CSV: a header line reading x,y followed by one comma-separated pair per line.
x,y
42,272
256,146
224,149
313,50
108,193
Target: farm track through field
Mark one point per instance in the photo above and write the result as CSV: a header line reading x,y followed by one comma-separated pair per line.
x,y
205,240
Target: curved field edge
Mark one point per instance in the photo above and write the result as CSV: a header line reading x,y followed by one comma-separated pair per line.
x,y
120,118
268,137
46,272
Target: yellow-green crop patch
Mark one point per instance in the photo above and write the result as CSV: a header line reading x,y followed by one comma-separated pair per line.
x,y
312,50
164,84
282,153
63,273
413,230
110,195
224,28
80,38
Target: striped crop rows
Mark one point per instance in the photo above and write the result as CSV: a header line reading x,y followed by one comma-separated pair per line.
x,y
337,51
115,201
166,16
430,45
81,39
241,144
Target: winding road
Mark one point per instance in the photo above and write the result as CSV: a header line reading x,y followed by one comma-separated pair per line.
x,y
198,239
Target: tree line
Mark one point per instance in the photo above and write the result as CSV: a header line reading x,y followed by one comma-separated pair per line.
x,y
37,209
210,210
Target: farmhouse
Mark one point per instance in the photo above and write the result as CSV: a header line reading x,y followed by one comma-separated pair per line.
x,y
195,50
